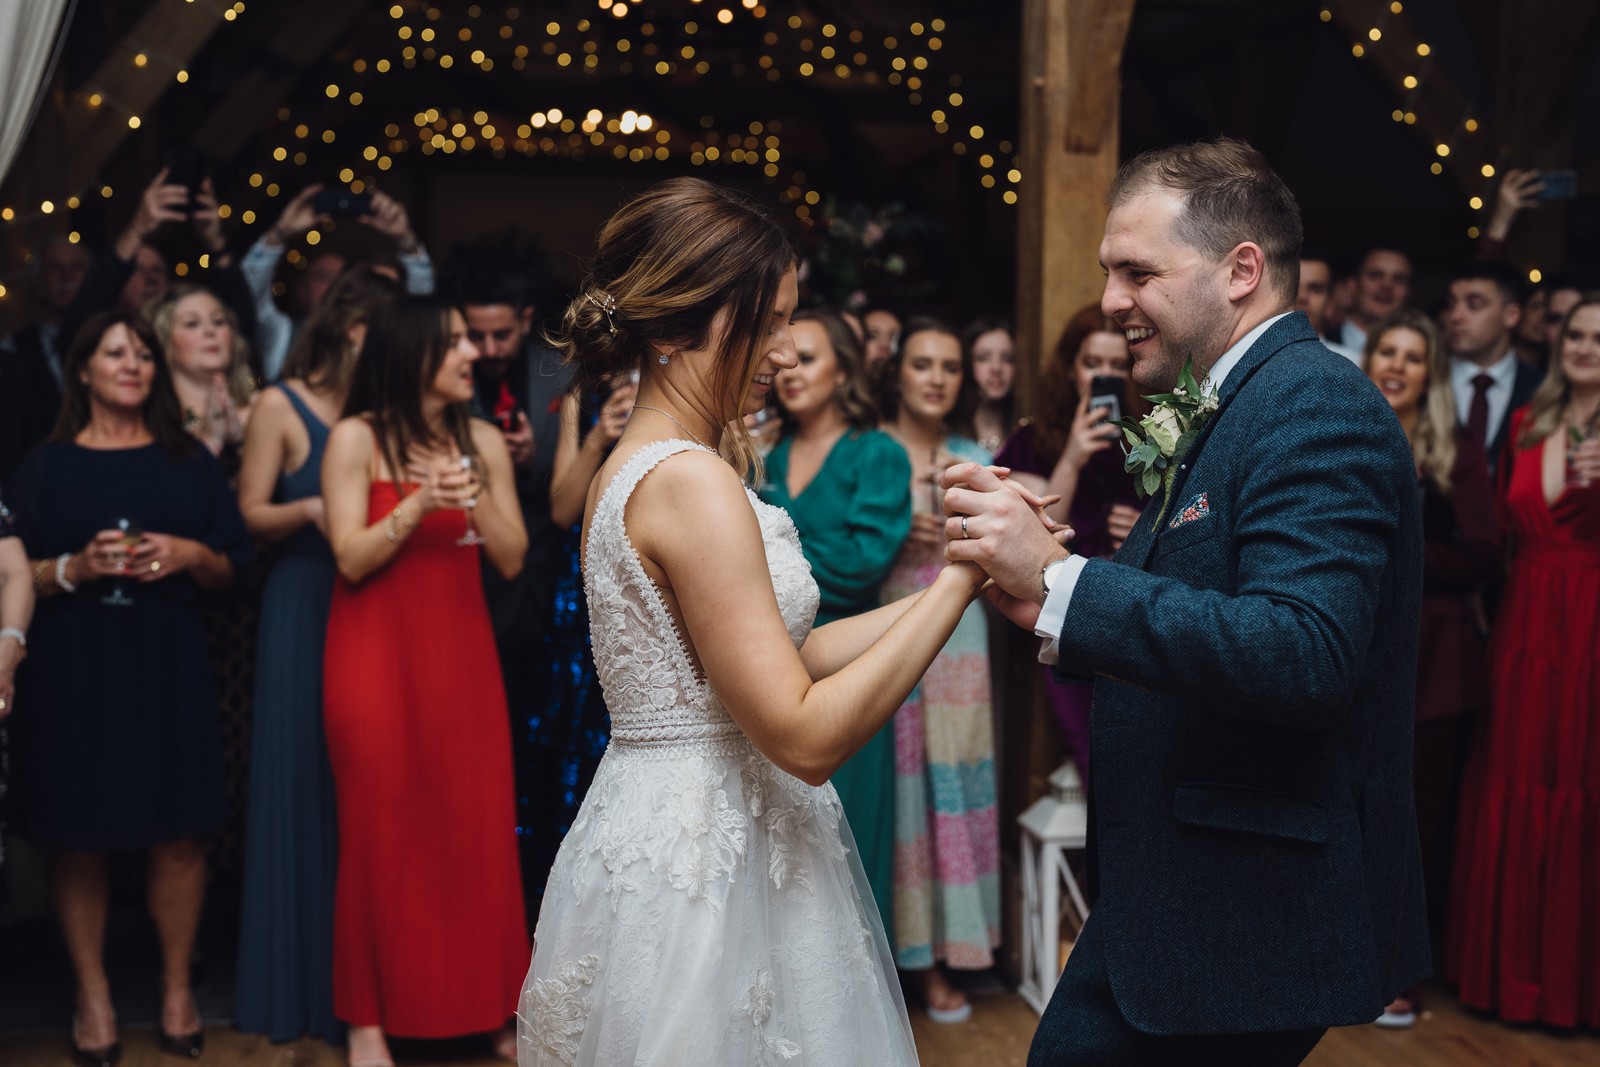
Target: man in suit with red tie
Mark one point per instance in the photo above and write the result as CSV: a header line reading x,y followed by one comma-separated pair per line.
x,y
1481,312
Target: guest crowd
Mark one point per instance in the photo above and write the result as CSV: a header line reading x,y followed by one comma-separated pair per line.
x,y
399,450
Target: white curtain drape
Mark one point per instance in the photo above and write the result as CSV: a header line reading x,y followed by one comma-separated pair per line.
x,y
28,30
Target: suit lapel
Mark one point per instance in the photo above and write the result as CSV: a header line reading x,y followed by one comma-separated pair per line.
x,y
1141,543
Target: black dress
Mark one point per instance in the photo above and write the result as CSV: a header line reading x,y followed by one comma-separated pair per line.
x,y
115,741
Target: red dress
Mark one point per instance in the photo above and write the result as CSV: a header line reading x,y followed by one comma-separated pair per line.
x,y
1524,929
429,935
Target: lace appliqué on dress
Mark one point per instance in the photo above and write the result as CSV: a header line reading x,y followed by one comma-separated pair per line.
x,y
757,1006
557,1009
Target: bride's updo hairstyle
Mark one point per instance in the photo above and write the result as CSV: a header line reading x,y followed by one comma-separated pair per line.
x,y
665,266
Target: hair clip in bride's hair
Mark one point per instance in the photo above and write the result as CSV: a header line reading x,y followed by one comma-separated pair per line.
x,y
606,303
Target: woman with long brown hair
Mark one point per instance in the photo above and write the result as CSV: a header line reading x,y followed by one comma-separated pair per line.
x,y
284,986
1523,939
706,906
429,935
126,518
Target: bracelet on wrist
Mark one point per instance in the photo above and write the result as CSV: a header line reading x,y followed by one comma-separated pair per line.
x,y
61,573
19,636
397,522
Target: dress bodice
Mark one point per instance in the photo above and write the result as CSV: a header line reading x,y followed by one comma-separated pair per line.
x,y
305,480
651,686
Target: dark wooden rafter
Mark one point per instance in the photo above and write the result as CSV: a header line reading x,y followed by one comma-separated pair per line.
x,y
300,43
170,34
1444,114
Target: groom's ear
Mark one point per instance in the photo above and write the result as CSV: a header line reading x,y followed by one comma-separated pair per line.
x,y
1247,267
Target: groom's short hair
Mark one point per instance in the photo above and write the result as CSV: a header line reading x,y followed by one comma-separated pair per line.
x,y
1231,195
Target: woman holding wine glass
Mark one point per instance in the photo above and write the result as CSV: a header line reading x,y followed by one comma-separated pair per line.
x,y
1519,940
125,519
429,936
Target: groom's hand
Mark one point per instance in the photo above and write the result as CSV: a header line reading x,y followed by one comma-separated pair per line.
x,y
1003,532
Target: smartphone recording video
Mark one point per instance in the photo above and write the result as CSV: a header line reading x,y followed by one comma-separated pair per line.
x,y
1108,391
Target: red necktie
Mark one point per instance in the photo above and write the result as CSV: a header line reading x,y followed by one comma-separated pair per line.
x,y
1478,413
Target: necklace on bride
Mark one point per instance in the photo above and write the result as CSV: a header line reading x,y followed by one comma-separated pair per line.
x,y
692,435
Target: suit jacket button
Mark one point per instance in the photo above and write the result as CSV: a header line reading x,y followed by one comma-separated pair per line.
x,y
1183,466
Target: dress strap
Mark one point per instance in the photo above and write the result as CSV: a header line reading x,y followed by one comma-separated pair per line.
x,y
614,498
314,424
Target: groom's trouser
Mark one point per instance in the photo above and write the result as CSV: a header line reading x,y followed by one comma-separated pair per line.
x,y
1084,1028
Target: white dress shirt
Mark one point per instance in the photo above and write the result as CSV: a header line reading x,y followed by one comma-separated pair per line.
x,y
1054,613
1504,373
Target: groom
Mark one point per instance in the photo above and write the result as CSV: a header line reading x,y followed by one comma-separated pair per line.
x,y
1252,842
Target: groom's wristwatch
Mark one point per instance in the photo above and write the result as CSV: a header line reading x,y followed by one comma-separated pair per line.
x,y
1047,574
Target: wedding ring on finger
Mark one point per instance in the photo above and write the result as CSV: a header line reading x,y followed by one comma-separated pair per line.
x,y
964,533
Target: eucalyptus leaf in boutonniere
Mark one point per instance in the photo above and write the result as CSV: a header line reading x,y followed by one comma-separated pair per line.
x,y
1157,442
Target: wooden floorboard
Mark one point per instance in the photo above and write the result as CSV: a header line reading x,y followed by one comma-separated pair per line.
x,y
997,1035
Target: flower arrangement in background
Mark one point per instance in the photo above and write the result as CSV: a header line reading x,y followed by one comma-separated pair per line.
x,y
857,256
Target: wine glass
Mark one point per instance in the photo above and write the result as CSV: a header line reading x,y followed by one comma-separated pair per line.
x,y
471,537
131,535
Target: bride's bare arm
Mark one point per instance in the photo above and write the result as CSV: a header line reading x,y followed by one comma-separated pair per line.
x,y
693,524
830,647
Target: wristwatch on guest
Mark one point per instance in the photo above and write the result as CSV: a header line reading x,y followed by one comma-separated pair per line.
x,y
1047,574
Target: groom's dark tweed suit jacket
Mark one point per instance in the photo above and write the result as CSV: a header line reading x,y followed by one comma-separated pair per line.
x,y
1253,833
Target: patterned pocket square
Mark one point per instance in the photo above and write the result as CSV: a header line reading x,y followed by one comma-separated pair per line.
x,y
1196,509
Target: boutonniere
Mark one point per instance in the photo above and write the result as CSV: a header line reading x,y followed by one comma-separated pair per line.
x,y
1157,442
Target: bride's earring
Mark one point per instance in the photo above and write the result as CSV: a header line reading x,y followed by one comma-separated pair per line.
x,y
662,359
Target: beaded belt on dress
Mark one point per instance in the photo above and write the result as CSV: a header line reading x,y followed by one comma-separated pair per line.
x,y
670,727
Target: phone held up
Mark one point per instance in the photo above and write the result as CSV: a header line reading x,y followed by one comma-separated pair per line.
x,y
1558,185
1108,391
342,203
185,167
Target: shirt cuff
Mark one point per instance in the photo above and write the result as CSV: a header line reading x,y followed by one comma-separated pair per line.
x,y
1053,615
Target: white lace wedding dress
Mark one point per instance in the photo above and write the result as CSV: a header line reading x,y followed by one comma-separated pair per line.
x,y
706,907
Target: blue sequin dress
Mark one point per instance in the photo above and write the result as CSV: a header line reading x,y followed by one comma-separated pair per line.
x,y
562,738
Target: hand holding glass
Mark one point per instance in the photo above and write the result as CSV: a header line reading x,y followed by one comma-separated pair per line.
x,y
131,535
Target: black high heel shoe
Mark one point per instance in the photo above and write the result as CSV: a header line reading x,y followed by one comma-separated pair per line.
x,y
185,1046
93,1057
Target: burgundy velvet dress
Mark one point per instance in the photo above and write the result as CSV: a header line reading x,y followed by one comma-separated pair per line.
x,y
1523,938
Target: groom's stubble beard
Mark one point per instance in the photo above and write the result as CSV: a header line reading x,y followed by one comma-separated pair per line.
x,y
1201,330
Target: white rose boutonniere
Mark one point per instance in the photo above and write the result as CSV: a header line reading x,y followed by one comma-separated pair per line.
x,y
1157,442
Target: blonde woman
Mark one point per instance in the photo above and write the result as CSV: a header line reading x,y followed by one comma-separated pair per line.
x,y
210,361
1461,556
1520,940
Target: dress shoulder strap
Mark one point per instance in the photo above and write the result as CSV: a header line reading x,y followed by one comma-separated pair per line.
x,y
314,424
614,498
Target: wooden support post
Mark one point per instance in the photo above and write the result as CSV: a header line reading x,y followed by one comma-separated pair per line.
x,y
1071,88
1071,85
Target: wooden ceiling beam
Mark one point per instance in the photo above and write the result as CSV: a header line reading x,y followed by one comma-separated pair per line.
x,y
168,36
301,41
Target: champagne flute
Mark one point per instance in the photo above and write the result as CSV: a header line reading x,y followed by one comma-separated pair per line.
x,y
471,537
131,535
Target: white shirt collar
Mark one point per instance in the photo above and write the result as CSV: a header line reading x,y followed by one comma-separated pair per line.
x,y
1502,370
1222,367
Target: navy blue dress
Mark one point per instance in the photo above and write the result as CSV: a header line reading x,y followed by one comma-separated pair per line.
x,y
284,986
115,741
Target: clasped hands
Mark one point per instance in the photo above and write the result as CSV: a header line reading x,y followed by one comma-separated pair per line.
x,y
150,559
442,480
1002,528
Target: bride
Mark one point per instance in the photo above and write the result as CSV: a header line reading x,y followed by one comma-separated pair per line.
x,y
707,905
